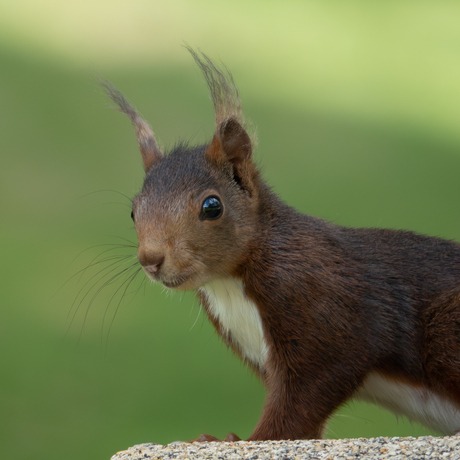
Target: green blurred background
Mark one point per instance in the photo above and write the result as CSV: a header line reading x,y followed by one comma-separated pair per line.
x,y
357,108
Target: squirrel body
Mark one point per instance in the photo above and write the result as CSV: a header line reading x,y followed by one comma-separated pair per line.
x,y
320,312
241,324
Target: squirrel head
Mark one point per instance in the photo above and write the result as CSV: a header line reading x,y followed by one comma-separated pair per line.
x,y
197,212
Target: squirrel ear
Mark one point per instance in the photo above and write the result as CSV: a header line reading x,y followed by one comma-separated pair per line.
x,y
236,144
145,137
232,142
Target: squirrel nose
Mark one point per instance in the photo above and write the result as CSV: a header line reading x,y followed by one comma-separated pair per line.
x,y
150,261
153,268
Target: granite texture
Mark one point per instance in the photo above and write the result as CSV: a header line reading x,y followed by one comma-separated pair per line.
x,y
422,448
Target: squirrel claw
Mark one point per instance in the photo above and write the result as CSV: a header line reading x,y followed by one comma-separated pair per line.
x,y
231,437
206,438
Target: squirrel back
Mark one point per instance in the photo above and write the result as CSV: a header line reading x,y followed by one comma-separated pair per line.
x,y
320,312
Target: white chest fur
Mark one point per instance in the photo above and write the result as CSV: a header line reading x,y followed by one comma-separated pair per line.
x,y
417,403
239,318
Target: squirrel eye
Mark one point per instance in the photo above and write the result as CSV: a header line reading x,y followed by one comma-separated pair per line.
x,y
211,208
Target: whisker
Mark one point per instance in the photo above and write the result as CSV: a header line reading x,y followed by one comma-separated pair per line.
x,y
101,274
104,285
197,317
105,191
118,259
134,292
112,279
117,290
116,246
128,282
134,245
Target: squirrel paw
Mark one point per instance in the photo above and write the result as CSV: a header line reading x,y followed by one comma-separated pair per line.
x,y
231,437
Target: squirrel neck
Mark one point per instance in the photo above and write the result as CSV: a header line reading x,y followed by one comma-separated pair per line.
x,y
284,235
238,319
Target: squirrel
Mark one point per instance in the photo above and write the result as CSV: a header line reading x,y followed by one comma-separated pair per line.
x,y
321,313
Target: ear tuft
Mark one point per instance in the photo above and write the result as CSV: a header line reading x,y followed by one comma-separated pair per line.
x,y
145,137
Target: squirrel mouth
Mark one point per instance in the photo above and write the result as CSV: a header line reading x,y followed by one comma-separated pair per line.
x,y
169,283
182,282
173,284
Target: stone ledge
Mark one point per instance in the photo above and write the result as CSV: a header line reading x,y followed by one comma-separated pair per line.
x,y
422,448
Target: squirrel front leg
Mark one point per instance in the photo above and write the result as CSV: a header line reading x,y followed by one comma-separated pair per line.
x,y
298,407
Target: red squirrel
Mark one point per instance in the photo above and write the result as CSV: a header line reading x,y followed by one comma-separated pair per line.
x,y
321,313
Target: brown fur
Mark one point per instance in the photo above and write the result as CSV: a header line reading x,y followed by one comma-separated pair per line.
x,y
335,303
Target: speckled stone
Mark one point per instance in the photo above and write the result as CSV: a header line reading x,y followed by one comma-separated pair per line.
x,y
423,448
